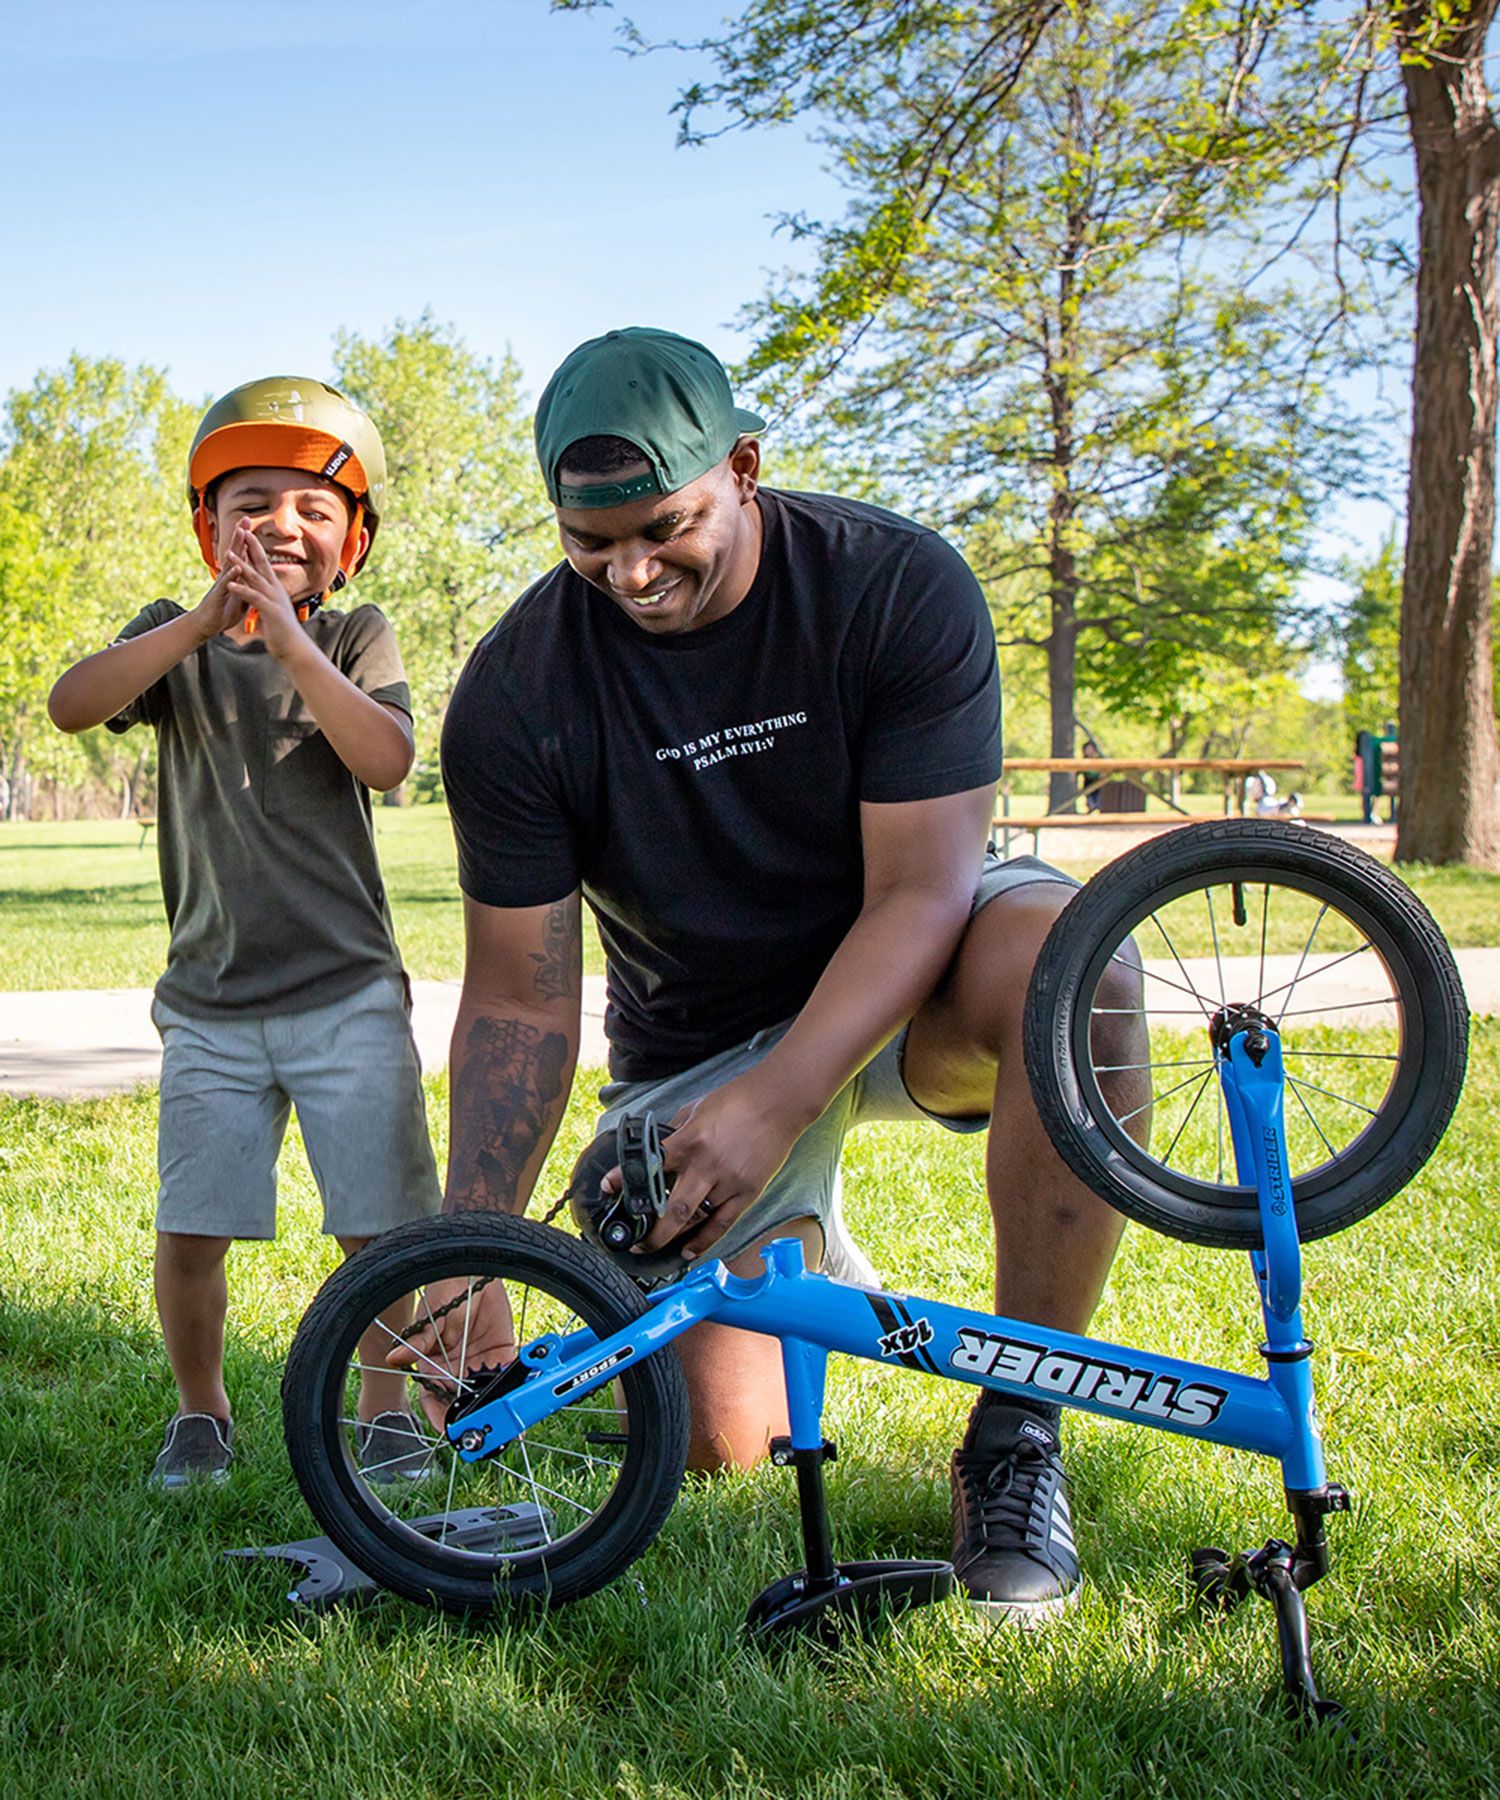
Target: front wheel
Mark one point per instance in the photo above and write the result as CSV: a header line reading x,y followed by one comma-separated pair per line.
x,y
555,1514
1306,931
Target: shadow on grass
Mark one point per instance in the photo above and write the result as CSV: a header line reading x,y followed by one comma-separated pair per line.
x,y
140,1659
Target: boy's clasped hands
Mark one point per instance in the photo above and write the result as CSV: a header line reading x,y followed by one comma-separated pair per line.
x,y
247,584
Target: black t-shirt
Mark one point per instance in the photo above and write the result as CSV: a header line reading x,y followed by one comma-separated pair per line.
x,y
703,787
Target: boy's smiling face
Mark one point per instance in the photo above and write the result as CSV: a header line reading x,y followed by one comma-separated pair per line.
x,y
301,521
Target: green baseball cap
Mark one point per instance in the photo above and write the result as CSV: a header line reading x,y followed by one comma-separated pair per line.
x,y
667,395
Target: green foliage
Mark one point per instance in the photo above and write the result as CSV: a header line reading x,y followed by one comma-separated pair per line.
x,y
462,532
95,457
33,602
1370,634
1038,316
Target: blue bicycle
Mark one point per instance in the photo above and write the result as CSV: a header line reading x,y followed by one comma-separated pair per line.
x,y
1305,1033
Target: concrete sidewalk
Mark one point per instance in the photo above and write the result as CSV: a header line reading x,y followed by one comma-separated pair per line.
x,y
76,1045
73,1046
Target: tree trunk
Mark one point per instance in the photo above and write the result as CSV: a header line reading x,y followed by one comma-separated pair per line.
x,y
1062,562
1450,757
16,806
1062,659
131,784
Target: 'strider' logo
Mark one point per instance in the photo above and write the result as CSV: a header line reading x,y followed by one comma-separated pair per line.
x,y
1122,1389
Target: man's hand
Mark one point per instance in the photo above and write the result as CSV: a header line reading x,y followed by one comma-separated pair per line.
x,y
723,1152
479,1333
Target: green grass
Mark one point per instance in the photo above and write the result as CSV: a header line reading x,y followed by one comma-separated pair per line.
x,y
82,904
140,1663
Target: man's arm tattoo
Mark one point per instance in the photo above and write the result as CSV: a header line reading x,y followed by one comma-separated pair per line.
x,y
559,961
512,1073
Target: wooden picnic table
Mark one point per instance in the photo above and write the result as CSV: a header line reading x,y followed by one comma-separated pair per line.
x,y
1102,769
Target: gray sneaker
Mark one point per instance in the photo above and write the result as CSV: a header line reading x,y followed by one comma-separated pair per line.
x,y
197,1447
393,1447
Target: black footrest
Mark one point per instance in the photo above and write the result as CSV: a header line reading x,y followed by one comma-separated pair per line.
x,y
859,1593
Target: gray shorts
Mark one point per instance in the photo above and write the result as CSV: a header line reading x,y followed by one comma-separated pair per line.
x,y
807,1186
228,1085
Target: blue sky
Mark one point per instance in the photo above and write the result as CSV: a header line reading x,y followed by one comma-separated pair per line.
x,y
215,188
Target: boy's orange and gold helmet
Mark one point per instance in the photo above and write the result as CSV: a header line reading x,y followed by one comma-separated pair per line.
x,y
291,422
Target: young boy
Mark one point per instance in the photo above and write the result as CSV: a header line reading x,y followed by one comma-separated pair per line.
x,y
274,716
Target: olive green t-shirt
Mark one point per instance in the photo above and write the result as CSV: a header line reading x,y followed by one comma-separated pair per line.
x,y
265,839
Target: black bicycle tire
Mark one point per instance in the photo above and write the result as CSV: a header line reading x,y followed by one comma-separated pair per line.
x,y
1419,961
519,1249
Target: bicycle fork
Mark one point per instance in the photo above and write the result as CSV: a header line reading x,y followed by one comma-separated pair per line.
x,y
1248,1049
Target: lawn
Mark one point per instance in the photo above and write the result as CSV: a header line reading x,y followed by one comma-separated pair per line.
x,y
82,905
140,1662
82,902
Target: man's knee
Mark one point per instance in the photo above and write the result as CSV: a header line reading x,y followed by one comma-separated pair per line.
x,y
983,995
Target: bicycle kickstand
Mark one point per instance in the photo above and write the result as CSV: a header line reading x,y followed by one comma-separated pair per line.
x,y
823,1596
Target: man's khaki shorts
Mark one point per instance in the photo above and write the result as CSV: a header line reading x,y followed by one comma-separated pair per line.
x,y
808,1184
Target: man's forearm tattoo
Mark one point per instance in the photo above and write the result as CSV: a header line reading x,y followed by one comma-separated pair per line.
x,y
511,1075
559,959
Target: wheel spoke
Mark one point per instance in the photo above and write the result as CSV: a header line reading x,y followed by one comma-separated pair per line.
x,y
1310,1087
1187,1116
1313,974
1213,930
1313,1121
1161,932
1184,1062
1155,1100
1320,1012
1306,952
1155,975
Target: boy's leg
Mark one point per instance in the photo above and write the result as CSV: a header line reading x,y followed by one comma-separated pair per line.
x,y
220,1122
380,1389
192,1299
354,1076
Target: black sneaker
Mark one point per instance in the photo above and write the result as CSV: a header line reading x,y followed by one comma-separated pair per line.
x,y
392,1447
1013,1549
197,1447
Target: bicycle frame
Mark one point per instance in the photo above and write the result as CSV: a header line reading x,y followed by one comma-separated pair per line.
x,y
813,1316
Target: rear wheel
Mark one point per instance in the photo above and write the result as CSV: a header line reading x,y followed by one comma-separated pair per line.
x,y
1308,931
551,1516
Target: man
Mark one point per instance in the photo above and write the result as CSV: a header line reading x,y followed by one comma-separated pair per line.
x,y
759,733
